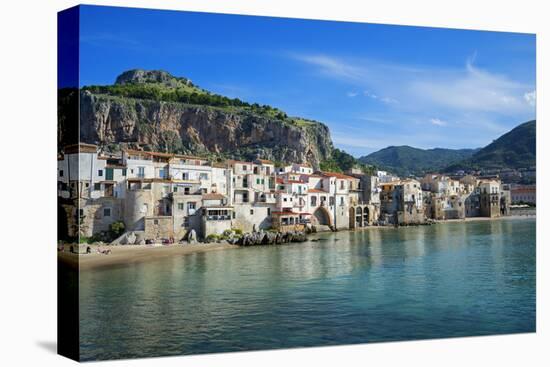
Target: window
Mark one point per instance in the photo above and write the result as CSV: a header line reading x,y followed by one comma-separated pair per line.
x,y
106,212
97,186
331,200
81,212
203,176
186,190
268,211
342,185
258,181
341,201
87,184
162,173
100,173
244,167
175,189
60,173
314,201
155,221
251,211
180,206
233,215
124,172
191,208
141,172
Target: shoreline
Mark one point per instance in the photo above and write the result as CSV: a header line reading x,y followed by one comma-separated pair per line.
x,y
133,254
122,255
484,219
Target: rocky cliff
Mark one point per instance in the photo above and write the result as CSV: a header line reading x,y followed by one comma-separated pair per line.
x,y
116,120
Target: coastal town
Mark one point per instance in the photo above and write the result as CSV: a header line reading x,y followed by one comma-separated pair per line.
x,y
169,198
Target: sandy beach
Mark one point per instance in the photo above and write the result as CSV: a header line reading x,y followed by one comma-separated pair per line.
x,y
128,254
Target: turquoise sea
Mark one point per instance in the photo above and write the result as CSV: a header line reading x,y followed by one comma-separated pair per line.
x,y
375,285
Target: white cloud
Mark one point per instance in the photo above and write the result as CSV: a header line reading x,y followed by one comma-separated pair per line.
x,y
388,100
352,94
376,97
462,94
369,94
438,122
471,89
531,98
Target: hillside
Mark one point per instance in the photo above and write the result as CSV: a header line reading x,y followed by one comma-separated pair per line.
x,y
153,110
405,160
515,149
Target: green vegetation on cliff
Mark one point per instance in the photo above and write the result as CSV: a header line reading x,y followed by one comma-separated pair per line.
x,y
162,87
153,110
340,161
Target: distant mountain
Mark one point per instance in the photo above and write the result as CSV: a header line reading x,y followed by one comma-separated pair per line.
x,y
405,160
515,149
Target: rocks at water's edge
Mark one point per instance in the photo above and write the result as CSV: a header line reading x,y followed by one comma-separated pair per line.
x,y
270,238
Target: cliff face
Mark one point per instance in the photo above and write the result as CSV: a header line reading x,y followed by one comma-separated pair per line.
x,y
199,129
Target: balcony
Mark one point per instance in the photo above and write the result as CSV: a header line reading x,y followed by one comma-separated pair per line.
x,y
218,217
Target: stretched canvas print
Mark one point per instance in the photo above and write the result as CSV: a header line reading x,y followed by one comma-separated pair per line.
x,y
235,183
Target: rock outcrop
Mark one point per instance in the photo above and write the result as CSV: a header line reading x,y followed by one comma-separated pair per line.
x,y
116,121
271,238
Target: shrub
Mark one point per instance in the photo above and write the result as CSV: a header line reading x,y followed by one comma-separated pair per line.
x,y
116,229
212,238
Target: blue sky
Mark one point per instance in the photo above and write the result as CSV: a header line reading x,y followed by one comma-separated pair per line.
x,y
373,85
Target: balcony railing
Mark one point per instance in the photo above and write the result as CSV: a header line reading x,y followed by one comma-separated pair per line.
x,y
218,217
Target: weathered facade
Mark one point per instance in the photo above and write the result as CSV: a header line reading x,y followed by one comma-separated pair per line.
x,y
164,196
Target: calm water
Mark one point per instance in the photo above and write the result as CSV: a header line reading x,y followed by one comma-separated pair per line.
x,y
446,280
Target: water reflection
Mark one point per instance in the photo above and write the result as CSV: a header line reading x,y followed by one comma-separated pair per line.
x,y
349,287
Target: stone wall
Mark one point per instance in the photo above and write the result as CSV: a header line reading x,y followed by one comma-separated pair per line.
x,y
158,227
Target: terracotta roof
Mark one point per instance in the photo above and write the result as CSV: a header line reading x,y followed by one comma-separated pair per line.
x,y
213,196
219,165
524,189
317,191
265,161
337,175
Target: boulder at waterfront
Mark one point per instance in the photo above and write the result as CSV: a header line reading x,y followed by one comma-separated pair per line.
x,y
271,238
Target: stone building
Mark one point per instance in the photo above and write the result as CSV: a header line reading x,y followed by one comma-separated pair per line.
x,y
524,194
490,198
402,203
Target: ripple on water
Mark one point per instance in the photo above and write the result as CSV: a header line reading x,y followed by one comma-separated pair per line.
x,y
437,281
